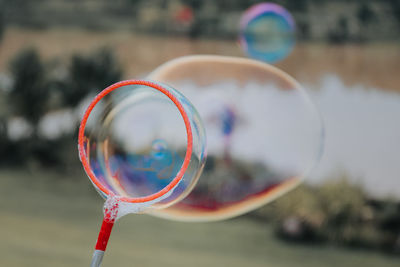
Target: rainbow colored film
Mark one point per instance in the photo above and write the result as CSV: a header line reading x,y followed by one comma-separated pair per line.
x,y
267,32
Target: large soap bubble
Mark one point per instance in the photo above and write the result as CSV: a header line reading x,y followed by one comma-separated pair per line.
x,y
143,143
264,134
267,32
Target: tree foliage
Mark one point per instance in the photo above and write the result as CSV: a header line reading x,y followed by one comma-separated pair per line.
x,y
336,212
30,91
37,88
90,73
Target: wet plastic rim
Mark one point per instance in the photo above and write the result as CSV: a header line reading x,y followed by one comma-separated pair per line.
x,y
189,135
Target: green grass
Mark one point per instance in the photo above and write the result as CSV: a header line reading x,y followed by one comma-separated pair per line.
x,y
48,219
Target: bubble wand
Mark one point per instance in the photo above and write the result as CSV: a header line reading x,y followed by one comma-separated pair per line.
x,y
120,202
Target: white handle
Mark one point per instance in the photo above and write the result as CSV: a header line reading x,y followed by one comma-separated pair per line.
x,y
97,258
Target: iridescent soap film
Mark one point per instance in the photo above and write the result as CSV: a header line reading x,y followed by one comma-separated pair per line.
x,y
264,134
267,32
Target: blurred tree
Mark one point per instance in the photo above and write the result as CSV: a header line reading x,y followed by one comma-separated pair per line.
x,y
3,134
365,14
303,32
28,98
195,4
389,223
29,92
342,204
10,152
90,74
298,5
395,8
2,21
336,212
37,88
340,33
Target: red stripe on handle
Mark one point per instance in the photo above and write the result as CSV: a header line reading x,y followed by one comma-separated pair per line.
x,y
110,214
104,235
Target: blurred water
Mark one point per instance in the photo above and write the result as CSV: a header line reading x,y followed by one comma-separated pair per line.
x,y
362,128
362,135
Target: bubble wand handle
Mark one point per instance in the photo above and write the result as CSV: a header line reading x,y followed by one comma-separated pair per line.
x,y
104,234
97,258
101,244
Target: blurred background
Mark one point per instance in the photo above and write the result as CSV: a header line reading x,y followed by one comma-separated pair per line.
x,y
57,54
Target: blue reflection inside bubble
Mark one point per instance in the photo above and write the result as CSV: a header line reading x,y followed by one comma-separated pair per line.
x,y
139,174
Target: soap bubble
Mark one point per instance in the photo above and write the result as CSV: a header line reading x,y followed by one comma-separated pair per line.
x,y
143,143
264,134
159,149
267,32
